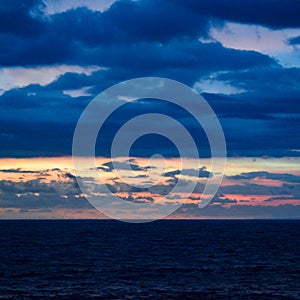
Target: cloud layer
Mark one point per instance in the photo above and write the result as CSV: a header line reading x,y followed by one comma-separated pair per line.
x,y
253,194
53,64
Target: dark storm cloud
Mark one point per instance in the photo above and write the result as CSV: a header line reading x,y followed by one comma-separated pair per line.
x,y
145,38
183,60
69,35
181,54
119,23
191,57
274,14
14,12
112,38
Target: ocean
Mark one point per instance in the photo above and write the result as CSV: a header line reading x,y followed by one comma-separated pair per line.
x,y
96,259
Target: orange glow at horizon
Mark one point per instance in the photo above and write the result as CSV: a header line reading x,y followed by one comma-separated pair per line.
x,y
54,169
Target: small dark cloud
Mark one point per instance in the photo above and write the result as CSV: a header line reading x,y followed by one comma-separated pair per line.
x,y
19,170
294,41
139,199
172,173
267,175
279,198
119,165
203,173
217,199
200,173
130,198
220,199
70,176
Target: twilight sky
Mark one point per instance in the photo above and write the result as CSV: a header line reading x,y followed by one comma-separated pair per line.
x,y
242,56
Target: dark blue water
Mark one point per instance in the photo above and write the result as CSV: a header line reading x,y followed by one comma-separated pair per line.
x,y
160,260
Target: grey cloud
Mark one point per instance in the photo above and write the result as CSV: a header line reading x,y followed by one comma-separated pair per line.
x,y
267,175
282,198
18,170
35,193
110,166
287,211
203,173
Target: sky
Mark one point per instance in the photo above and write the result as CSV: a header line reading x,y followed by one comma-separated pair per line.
x,y
243,58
